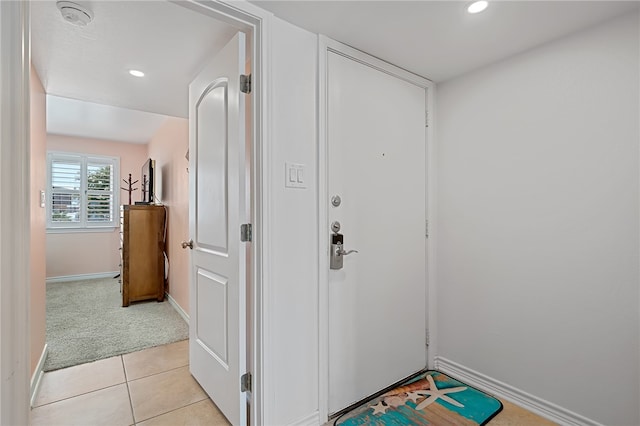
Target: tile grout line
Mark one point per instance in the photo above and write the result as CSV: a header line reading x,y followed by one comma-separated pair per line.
x,y
87,392
205,397
126,381
159,372
78,395
175,409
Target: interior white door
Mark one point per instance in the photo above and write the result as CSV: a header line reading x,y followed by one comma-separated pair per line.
x,y
376,165
217,329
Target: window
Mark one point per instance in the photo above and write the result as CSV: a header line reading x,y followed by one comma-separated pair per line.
x,y
82,191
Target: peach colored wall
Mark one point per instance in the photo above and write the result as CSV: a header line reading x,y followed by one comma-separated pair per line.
x,y
38,167
82,253
168,148
67,253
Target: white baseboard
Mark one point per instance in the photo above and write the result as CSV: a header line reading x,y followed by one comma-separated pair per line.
x,y
65,278
525,400
36,379
312,419
177,307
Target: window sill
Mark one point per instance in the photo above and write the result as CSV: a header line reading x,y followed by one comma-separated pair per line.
x,y
100,229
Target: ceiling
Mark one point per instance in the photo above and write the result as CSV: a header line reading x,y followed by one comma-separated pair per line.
x,y
168,42
439,39
73,117
435,39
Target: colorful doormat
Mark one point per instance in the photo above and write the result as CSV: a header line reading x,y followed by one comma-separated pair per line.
x,y
432,398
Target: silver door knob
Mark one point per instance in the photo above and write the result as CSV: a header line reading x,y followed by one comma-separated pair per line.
x,y
186,244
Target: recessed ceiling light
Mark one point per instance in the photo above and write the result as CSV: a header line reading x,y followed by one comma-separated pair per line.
x,y
136,73
477,6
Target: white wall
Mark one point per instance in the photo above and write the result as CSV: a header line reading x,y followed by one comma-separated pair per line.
x,y
538,236
291,346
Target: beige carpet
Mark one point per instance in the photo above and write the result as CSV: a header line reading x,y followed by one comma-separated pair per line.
x,y
86,322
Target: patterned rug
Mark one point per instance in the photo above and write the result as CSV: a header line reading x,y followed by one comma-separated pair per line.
x,y
432,398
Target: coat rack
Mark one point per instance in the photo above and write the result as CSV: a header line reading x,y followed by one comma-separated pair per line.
x,y
130,184
145,185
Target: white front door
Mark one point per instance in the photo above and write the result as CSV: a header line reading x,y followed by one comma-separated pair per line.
x,y
376,165
217,329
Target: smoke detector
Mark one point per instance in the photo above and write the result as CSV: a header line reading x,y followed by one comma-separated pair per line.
x,y
74,13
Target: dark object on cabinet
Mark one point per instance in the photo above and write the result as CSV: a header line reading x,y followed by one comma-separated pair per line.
x,y
148,182
143,253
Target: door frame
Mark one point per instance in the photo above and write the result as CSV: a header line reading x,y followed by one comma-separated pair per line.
x,y
14,212
15,65
325,47
256,23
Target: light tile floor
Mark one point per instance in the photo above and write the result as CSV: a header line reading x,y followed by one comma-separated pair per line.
x,y
153,387
149,387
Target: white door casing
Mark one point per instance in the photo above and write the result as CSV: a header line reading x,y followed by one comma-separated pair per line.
x,y
376,163
217,208
15,204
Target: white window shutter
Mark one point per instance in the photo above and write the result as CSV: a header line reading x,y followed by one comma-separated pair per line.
x,y
83,191
100,197
66,181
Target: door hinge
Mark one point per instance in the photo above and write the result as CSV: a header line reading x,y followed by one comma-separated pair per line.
x,y
427,338
426,228
246,232
426,118
245,83
245,382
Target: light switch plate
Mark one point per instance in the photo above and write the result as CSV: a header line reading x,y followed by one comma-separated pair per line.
x,y
295,175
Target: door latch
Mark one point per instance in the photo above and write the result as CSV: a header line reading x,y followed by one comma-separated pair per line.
x,y
245,382
338,252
